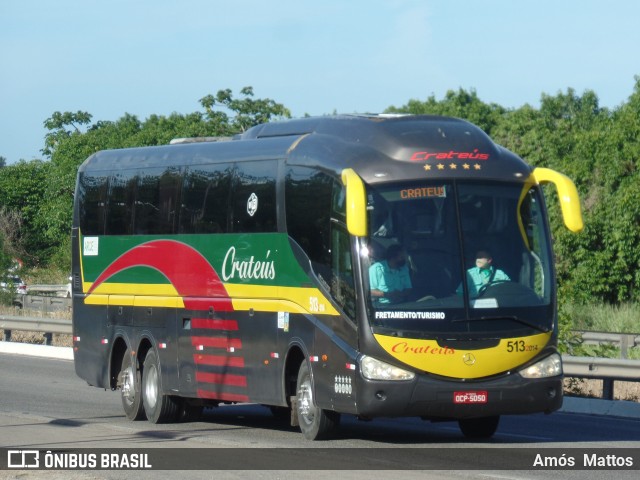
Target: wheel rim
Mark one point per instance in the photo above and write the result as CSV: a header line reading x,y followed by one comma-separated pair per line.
x,y
151,386
128,385
306,409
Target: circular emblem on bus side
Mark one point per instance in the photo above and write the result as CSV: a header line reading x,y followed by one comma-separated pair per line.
x,y
252,204
468,359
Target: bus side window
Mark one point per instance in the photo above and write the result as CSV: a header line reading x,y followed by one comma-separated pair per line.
x,y
168,198
342,283
156,197
146,209
92,199
206,192
308,211
121,195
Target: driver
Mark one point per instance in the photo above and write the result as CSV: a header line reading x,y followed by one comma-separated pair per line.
x,y
484,273
389,279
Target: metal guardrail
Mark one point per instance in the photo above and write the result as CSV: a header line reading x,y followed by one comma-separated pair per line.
x,y
609,370
595,367
624,341
48,326
62,290
606,369
35,324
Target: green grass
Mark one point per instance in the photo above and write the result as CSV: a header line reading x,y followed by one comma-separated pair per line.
x,y
623,318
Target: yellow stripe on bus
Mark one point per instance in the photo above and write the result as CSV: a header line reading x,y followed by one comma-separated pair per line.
x,y
134,300
106,288
244,297
429,356
120,300
157,301
307,300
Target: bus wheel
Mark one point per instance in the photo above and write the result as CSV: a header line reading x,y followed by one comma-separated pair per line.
x,y
483,427
159,408
315,423
129,383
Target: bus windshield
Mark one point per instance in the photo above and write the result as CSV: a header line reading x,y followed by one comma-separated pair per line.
x,y
449,257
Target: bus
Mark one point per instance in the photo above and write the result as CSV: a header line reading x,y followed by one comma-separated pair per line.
x,y
242,271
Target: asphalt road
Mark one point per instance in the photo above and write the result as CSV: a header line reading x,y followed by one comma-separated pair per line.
x,y
43,405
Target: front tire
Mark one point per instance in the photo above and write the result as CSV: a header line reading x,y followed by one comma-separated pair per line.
x,y
160,408
129,380
478,428
315,423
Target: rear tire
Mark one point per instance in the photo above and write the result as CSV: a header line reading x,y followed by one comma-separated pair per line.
x,y
478,428
315,423
129,380
160,408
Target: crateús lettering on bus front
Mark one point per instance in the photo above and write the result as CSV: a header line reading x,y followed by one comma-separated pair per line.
x,y
404,347
247,269
450,155
423,192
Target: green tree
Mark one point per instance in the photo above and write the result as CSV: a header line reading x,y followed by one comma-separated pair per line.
x,y
248,112
600,150
21,191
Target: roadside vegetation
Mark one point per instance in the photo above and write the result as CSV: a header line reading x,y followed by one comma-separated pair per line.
x,y
616,318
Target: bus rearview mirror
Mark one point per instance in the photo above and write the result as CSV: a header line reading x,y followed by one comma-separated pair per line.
x,y
356,203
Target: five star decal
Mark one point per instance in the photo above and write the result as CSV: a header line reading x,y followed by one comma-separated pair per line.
x,y
453,166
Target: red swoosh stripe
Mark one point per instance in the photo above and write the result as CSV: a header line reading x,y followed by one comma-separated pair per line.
x,y
187,270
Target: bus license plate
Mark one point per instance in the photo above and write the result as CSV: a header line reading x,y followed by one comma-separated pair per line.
x,y
470,397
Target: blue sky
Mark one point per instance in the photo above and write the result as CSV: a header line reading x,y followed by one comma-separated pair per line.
x,y
158,56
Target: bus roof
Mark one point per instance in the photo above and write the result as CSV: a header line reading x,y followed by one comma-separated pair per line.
x,y
378,147
384,147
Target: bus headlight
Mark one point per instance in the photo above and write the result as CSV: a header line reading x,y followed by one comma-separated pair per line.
x,y
547,367
373,369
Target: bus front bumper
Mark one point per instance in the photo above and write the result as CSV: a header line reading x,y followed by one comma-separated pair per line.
x,y
435,398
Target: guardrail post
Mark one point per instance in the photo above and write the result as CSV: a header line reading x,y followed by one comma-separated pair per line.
x,y
7,336
624,345
48,338
607,389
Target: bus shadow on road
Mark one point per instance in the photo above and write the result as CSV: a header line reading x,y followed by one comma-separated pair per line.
x,y
514,429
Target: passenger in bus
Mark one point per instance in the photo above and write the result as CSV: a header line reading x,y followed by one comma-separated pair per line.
x,y
483,274
389,279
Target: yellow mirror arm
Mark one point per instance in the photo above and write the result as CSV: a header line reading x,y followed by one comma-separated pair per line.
x,y
356,203
567,193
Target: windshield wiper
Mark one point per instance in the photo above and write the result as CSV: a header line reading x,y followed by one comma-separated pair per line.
x,y
504,317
